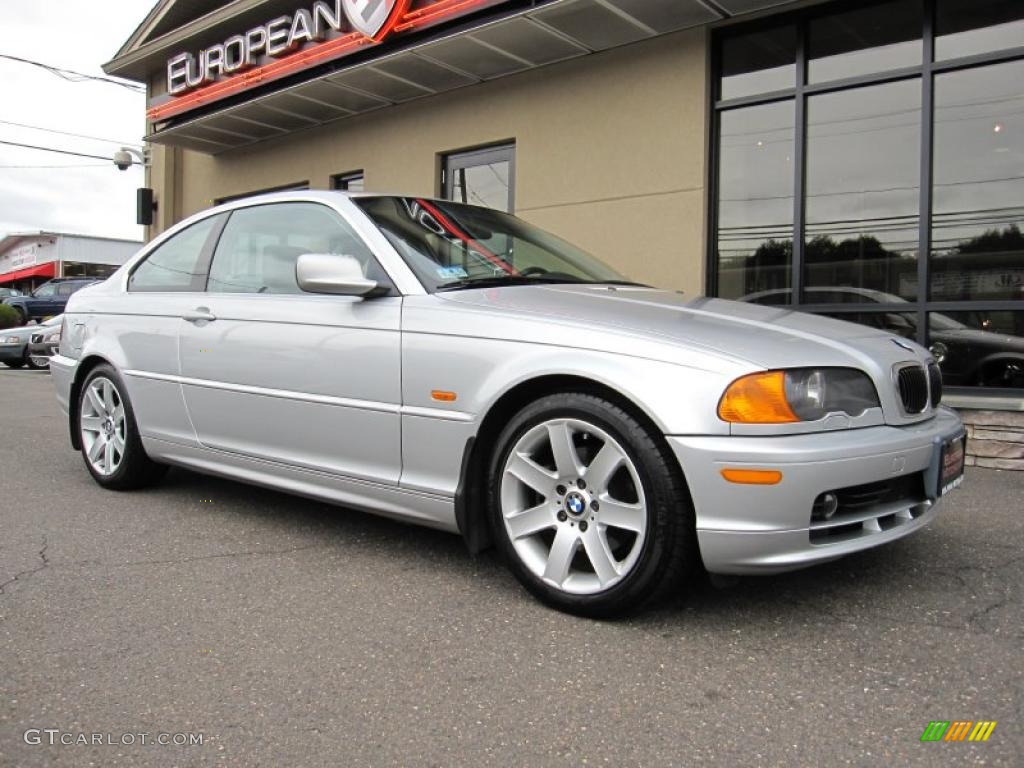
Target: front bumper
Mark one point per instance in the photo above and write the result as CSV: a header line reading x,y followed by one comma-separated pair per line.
x,y
62,372
768,528
12,353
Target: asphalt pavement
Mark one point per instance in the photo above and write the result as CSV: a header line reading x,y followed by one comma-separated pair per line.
x,y
285,632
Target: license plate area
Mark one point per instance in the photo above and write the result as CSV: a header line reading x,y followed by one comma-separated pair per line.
x,y
951,465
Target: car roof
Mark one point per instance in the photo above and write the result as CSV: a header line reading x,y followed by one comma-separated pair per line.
x,y
313,195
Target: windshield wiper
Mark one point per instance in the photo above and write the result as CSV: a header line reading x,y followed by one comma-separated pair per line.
x,y
502,280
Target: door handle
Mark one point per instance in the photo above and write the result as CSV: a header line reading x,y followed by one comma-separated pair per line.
x,y
199,314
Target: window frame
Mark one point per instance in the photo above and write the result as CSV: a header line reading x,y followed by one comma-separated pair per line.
x,y
472,158
926,71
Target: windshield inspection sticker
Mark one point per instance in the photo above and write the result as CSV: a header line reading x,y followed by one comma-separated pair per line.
x,y
452,272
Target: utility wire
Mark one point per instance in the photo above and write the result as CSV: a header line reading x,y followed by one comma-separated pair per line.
x,y
58,151
40,167
66,133
75,77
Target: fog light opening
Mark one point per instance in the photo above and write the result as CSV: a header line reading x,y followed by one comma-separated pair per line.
x,y
825,506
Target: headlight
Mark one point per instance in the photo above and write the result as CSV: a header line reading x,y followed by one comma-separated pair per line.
x,y
9,340
800,394
52,336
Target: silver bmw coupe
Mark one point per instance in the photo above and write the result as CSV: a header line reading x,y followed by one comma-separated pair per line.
x,y
456,367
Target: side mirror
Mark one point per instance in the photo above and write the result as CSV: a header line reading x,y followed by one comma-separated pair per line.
x,y
332,273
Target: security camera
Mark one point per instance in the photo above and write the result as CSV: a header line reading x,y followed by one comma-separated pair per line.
x,y
126,157
123,159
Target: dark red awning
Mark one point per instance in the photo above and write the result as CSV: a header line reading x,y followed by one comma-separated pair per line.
x,y
41,270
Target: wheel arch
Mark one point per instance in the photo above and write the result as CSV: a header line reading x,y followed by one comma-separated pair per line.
x,y
470,494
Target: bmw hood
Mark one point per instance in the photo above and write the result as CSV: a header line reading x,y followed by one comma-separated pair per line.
x,y
765,337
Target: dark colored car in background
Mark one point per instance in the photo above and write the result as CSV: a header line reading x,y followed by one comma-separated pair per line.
x,y
973,357
49,298
6,293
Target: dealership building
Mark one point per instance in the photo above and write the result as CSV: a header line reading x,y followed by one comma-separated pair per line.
x,y
863,160
29,259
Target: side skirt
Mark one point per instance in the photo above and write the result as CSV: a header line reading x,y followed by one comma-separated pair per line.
x,y
388,501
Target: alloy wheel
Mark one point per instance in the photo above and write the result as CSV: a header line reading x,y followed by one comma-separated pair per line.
x,y
102,425
573,506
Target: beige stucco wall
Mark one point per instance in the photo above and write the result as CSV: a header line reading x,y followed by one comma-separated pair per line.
x,y
610,154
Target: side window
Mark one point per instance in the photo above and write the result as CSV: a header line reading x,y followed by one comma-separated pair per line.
x,y
66,289
45,291
175,265
260,245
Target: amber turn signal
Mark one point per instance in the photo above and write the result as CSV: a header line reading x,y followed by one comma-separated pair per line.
x,y
753,476
442,396
759,398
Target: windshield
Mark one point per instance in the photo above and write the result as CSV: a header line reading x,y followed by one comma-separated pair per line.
x,y
451,246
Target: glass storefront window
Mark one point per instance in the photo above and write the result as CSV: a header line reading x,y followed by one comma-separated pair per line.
x,y
979,348
978,206
755,199
863,180
865,40
838,212
758,62
967,27
897,323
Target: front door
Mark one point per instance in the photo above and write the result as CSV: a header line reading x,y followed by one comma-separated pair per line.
x,y
271,372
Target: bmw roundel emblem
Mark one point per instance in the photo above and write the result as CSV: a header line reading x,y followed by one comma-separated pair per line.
x,y
574,503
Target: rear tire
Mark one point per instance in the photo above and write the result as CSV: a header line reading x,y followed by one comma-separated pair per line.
x,y
109,435
589,508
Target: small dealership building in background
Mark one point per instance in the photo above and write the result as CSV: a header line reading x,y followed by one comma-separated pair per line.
x,y
29,259
862,160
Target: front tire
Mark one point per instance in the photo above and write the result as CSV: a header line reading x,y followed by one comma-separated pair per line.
x,y
109,435
36,363
588,507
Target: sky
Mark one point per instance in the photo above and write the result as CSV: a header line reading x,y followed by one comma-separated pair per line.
x,y
83,195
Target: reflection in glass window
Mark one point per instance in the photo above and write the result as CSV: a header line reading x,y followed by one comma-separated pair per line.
x,y
755,199
758,62
979,348
967,27
349,182
259,247
485,185
978,207
897,323
174,265
481,177
452,245
875,38
863,177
